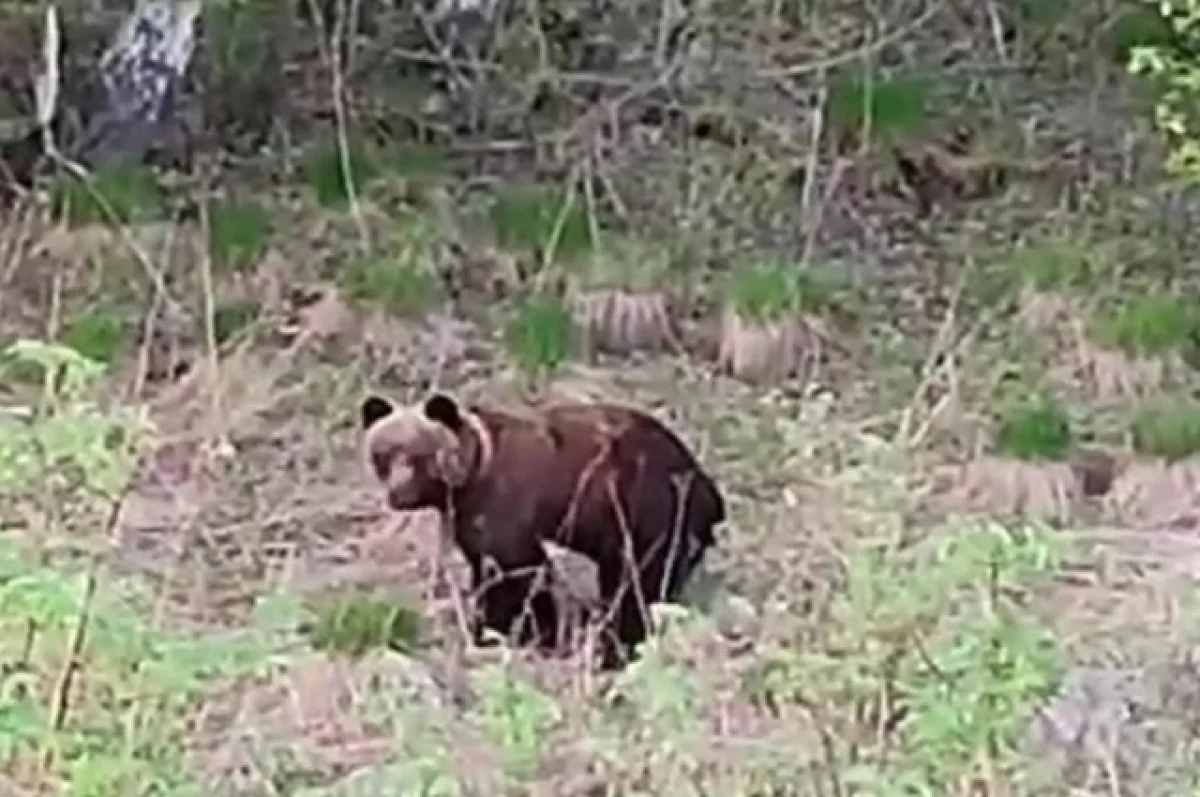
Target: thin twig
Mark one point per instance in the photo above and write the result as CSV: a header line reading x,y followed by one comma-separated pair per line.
x,y
61,699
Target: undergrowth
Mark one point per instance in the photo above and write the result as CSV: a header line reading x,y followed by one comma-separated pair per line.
x,y
1167,428
96,693
1034,430
931,640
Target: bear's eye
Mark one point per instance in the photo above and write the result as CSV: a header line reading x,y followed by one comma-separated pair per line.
x,y
381,461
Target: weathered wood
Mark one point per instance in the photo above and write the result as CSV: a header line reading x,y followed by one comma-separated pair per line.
x,y
126,106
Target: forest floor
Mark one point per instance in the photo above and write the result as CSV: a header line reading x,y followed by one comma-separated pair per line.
x,y
958,449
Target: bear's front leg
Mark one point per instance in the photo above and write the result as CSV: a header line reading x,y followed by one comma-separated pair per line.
x,y
512,591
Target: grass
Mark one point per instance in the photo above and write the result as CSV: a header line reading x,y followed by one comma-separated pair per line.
x,y
97,333
330,174
119,195
544,223
1056,264
1034,430
539,335
402,279
629,263
356,622
1167,429
772,291
891,108
1149,325
238,234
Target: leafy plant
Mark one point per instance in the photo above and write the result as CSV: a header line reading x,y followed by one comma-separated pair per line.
x,y
1161,41
1168,429
118,730
238,233
541,222
539,334
70,439
1135,26
940,630
1149,325
1037,429
516,716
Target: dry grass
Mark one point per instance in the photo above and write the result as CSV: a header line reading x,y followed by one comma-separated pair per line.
x,y
1043,492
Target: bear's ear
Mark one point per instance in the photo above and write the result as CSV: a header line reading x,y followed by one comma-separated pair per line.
x,y
373,410
442,409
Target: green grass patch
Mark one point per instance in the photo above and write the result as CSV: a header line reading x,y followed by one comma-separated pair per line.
x,y
238,234
1167,429
893,108
550,224
771,291
328,175
356,622
1034,430
399,286
629,264
402,280
539,334
126,194
1056,264
97,333
1149,325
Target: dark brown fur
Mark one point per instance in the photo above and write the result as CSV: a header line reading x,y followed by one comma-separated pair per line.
x,y
586,476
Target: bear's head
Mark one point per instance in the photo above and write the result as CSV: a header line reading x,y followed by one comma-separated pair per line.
x,y
420,454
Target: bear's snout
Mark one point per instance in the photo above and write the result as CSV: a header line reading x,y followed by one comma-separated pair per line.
x,y
404,486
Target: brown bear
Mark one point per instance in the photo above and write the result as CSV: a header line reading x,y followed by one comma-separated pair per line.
x,y
607,481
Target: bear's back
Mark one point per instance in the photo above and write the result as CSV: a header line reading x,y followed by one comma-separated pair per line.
x,y
563,457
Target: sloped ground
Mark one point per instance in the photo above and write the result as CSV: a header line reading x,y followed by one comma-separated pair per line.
x,y
860,631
